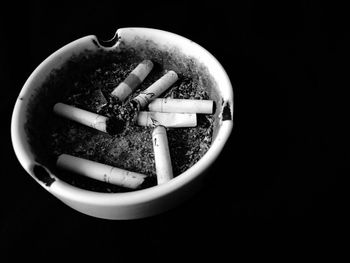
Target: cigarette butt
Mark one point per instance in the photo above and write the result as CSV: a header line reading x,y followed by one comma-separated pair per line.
x,y
170,120
162,158
84,117
156,88
135,78
182,105
101,172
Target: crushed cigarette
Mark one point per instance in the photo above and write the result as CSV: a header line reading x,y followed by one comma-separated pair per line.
x,y
134,79
182,105
101,172
162,158
157,88
170,120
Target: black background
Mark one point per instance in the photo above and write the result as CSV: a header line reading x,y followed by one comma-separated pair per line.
x,y
276,186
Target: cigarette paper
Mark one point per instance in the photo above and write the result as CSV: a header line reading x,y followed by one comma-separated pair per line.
x,y
182,105
170,120
101,172
156,88
162,158
124,89
84,117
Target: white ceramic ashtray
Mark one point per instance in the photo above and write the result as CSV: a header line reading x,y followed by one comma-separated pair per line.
x,y
125,128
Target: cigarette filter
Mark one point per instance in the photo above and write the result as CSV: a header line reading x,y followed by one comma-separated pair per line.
x,y
162,158
170,120
84,117
135,78
181,105
101,172
156,88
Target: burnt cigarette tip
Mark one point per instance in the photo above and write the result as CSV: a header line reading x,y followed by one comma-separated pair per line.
x,y
214,107
149,181
114,126
135,105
